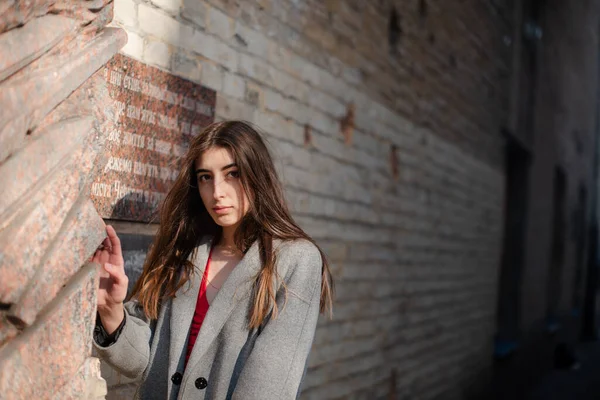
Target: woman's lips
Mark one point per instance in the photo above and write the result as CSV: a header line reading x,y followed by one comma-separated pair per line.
x,y
221,210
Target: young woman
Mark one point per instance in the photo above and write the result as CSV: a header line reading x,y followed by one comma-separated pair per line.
x,y
227,304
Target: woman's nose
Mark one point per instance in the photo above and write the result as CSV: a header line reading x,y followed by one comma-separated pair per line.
x,y
218,188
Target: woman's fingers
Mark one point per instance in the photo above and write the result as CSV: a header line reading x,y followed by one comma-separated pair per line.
x,y
106,244
116,273
97,257
113,240
100,256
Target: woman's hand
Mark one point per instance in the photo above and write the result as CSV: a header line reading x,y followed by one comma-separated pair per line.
x,y
113,281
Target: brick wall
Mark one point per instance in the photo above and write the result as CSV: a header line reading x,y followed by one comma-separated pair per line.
x,y
391,158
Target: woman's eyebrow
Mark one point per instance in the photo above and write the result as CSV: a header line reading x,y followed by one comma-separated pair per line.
x,y
199,170
229,166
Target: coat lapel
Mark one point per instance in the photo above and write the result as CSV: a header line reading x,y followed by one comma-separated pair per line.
x,y
183,307
237,286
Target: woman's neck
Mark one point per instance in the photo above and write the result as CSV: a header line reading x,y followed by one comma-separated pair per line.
x,y
228,237
226,245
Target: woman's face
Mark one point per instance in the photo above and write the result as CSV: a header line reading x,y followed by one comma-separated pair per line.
x,y
220,187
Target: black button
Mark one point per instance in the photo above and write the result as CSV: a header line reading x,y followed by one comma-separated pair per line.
x,y
201,383
176,378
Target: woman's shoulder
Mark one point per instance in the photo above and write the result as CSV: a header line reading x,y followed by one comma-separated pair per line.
x,y
295,247
299,254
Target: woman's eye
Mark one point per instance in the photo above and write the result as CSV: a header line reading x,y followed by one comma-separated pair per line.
x,y
203,178
234,174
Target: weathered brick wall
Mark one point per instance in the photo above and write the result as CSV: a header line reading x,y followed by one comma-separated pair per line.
x,y
392,160
50,112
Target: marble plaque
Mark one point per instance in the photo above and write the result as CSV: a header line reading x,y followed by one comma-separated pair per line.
x,y
156,116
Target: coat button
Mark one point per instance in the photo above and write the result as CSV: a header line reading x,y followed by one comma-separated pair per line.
x,y
176,378
201,383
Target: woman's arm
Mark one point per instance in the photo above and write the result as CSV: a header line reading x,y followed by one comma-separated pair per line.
x,y
130,352
127,324
276,365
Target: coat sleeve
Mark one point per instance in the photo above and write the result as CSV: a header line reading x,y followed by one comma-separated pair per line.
x,y
277,362
130,352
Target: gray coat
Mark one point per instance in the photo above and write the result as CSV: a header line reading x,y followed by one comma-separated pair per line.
x,y
228,361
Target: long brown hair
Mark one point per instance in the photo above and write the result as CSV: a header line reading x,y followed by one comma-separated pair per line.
x,y
184,220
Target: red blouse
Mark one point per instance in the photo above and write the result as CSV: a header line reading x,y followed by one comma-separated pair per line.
x,y
200,312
